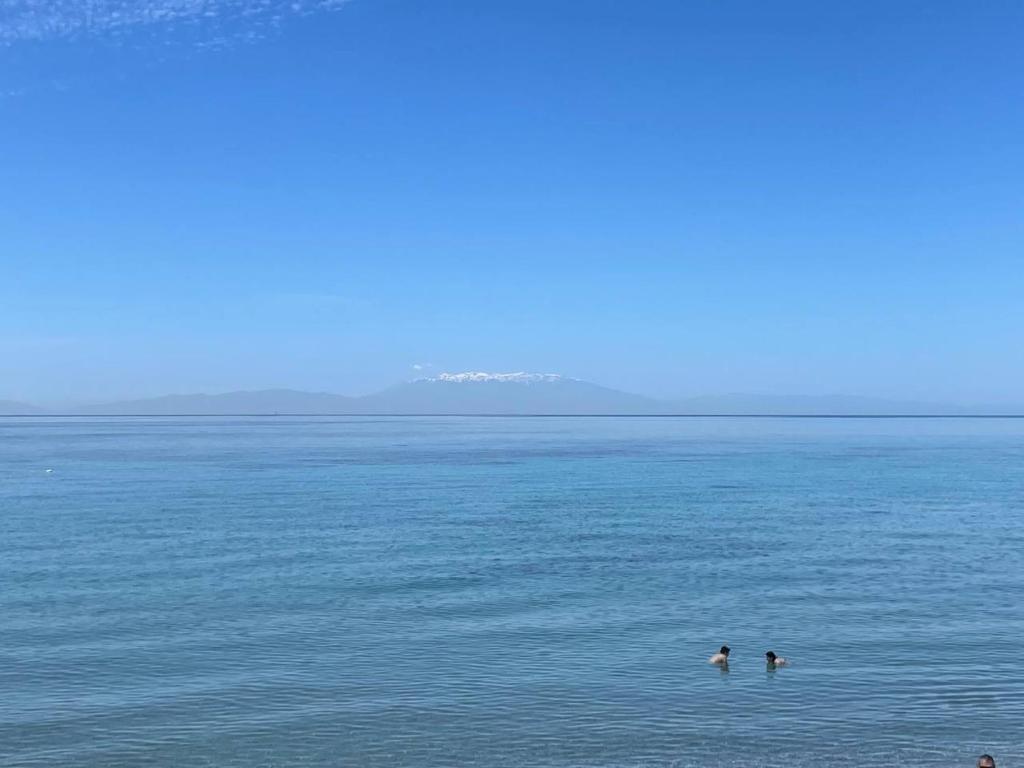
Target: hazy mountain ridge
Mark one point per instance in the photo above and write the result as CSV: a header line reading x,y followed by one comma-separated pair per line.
x,y
828,405
259,402
479,393
16,408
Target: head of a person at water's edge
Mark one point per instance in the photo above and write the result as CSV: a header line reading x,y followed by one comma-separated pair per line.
x,y
986,761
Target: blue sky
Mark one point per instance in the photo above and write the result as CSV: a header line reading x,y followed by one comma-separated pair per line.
x,y
674,198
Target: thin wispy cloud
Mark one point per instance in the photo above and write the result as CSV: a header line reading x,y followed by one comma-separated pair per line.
x,y
25,20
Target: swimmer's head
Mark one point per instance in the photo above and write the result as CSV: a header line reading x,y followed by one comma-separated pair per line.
x,y
724,650
771,657
986,761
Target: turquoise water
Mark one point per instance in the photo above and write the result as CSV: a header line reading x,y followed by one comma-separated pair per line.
x,y
510,592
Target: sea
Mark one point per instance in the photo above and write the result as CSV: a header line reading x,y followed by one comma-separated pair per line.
x,y
328,591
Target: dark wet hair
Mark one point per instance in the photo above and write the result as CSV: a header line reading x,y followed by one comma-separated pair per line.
x,y
724,649
771,656
988,758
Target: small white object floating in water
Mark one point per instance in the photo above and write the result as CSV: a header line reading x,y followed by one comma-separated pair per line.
x,y
49,471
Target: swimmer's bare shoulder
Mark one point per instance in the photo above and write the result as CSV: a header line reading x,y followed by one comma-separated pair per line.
x,y
722,657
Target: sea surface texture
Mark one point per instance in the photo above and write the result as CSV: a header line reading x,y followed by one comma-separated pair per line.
x,y
510,592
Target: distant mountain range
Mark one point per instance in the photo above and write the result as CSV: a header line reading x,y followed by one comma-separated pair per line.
x,y
14,408
475,393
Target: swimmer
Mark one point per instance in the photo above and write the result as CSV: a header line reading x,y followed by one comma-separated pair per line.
x,y
986,761
775,661
722,657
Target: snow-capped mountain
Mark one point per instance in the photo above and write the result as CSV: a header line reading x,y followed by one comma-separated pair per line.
x,y
506,394
480,376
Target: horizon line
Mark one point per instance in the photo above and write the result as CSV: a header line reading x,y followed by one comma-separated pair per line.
x,y
522,415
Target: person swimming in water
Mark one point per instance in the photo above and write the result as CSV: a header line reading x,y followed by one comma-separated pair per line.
x,y
774,660
722,657
986,761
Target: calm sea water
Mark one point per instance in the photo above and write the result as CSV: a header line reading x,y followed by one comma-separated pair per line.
x,y
510,592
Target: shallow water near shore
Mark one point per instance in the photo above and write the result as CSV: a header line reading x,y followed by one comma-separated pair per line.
x,y
510,591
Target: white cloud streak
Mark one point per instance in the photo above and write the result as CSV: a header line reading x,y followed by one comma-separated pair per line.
x,y
24,20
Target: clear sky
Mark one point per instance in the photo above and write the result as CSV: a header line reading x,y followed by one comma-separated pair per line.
x,y
674,198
